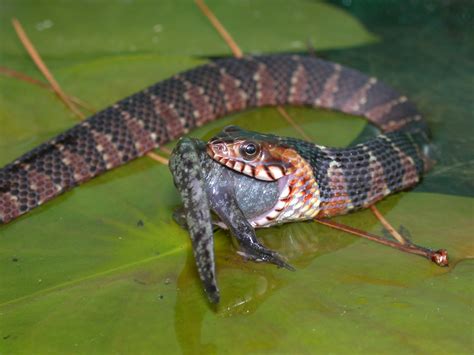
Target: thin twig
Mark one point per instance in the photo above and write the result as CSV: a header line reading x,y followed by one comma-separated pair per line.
x,y
238,53
52,81
158,158
23,77
393,232
220,29
439,257
43,68
292,122
17,75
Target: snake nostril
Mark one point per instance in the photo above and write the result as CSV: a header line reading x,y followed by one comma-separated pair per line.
x,y
223,148
219,148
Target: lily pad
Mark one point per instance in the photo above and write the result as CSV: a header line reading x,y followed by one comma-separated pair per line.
x,y
104,269
82,29
88,288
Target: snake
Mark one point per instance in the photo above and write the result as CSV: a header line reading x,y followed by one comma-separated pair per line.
x,y
252,180
347,178
247,179
318,180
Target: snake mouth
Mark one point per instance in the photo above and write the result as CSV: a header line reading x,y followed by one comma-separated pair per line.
x,y
217,148
250,153
224,154
219,151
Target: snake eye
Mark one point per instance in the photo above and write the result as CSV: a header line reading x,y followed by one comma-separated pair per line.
x,y
249,150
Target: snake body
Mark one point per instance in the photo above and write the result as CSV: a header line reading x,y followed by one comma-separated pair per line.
x,y
320,181
352,177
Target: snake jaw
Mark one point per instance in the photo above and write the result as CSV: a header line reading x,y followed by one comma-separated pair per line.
x,y
256,155
270,159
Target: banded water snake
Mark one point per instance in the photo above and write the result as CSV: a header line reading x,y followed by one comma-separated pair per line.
x,y
171,108
324,181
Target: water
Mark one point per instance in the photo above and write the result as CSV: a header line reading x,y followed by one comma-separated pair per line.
x,y
427,51
103,269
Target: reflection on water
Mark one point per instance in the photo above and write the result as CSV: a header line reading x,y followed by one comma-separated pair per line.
x,y
189,311
245,285
426,52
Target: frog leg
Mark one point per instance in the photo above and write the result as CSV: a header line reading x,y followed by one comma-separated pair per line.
x,y
179,216
188,179
223,203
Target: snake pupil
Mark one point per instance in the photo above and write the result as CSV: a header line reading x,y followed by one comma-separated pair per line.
x,y
250,149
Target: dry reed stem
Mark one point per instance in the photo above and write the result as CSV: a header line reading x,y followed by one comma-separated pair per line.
x,y
158,158
439,257
30,48
238,53
71,102
292,122
393,232
220,29
23,77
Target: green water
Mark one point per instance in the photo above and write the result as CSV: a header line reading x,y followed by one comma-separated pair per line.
x,y
427,51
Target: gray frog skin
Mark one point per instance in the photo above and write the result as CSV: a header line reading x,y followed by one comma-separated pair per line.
x,y
205,186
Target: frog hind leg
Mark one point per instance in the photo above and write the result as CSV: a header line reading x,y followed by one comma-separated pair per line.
x,y
179,216
188,178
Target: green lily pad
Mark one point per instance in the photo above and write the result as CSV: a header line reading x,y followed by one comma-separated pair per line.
x,y
104,269
80,271
40,115
109,285
113,212
84,29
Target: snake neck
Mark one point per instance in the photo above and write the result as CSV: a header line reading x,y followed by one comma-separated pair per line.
x,y
333,181
299,197
358,176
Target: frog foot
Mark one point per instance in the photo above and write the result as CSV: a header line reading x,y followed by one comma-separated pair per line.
x,y
259,253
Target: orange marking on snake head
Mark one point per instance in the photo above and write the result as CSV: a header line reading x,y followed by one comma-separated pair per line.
x,y
258,155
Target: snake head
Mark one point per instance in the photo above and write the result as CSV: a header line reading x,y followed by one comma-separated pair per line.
x,y
257,155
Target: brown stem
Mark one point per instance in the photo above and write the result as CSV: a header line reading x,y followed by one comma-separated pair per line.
x,y
54,85
166,150
43,68
14,74
220,29
439,257
23,77
158,158
238,53
393,232
292,122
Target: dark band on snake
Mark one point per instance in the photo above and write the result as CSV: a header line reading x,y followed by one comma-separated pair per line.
x,y
348,178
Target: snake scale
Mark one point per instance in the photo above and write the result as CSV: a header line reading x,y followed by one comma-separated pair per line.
x,y
348,178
